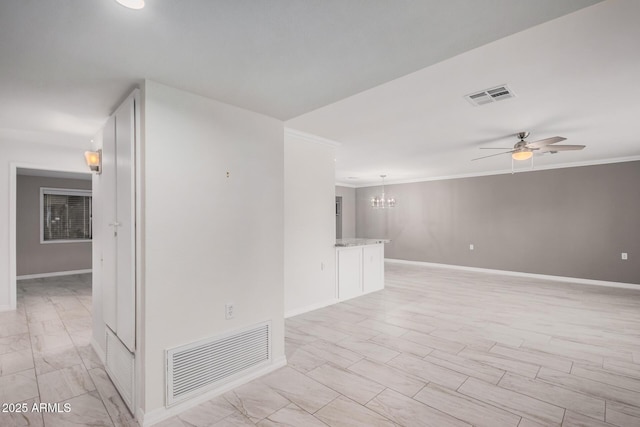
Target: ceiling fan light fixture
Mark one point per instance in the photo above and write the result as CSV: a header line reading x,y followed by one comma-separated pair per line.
x,y
522,155
132,4
523,150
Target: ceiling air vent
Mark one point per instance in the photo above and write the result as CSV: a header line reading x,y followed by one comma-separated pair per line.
x,y
488,96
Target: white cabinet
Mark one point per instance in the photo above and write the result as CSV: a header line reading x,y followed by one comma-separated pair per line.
x,y
125,218
359,270
372,268
349,262
118,245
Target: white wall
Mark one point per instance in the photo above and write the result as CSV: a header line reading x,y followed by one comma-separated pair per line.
x,y
14,153
209,239
310,224
348,195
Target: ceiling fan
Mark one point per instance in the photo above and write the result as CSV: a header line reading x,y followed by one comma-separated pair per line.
x,y
524,150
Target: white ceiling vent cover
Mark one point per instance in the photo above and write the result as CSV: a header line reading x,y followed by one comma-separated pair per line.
x,y
488,96
195,368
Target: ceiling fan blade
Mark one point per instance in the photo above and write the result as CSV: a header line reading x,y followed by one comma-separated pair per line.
x,y
496,148
544,142
560,148
492,155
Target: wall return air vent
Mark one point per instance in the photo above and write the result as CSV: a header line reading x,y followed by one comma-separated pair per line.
x,y
195,368
488,96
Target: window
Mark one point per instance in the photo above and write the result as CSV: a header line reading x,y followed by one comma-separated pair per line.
x,y
65,215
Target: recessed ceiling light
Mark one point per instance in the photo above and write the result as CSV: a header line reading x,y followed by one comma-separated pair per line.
x,y
132,4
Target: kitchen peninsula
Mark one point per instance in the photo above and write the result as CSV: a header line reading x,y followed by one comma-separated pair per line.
x,y
359,267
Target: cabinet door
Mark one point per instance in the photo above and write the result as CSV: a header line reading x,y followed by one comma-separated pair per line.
x,y
373,268
125,205
349,272
108,226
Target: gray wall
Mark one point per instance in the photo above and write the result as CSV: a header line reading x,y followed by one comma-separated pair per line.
x,y
348,210
572,222
32,257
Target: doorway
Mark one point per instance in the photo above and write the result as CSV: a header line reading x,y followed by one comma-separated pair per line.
x,y
59,301
53,223
18,170
338,217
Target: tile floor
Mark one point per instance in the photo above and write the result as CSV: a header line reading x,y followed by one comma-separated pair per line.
x,y
437,347
46,356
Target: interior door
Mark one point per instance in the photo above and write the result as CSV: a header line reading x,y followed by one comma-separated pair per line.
x,y
338,217
108,226
125,213
117,187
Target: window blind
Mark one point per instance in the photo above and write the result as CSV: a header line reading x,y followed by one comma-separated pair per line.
x,y
66,215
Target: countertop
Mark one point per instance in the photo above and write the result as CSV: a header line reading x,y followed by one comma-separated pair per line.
x,y
341,243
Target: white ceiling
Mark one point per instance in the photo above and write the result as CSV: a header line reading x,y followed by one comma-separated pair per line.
x,y
577,76
64,66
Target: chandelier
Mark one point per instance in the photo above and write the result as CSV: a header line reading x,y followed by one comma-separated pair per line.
x,y
381,201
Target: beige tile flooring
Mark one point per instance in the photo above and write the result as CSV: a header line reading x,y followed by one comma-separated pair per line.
x,y
46,357
437,347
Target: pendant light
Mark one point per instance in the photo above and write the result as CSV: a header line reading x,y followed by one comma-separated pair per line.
x,y
382,201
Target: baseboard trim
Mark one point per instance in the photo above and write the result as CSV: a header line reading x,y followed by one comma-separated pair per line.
x,y
309,308
6,307
99,351
520,274
157,415
53,274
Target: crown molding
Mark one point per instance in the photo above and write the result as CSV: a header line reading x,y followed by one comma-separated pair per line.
x,y
344,184
311,138
507,171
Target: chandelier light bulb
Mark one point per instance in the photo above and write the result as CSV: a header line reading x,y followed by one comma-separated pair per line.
x,y
382,201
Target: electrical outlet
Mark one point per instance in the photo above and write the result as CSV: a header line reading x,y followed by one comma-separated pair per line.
x,y
228,311
471,247
623,255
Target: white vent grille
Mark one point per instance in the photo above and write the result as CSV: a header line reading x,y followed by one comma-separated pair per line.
x,y
120,367
488,96
203,365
